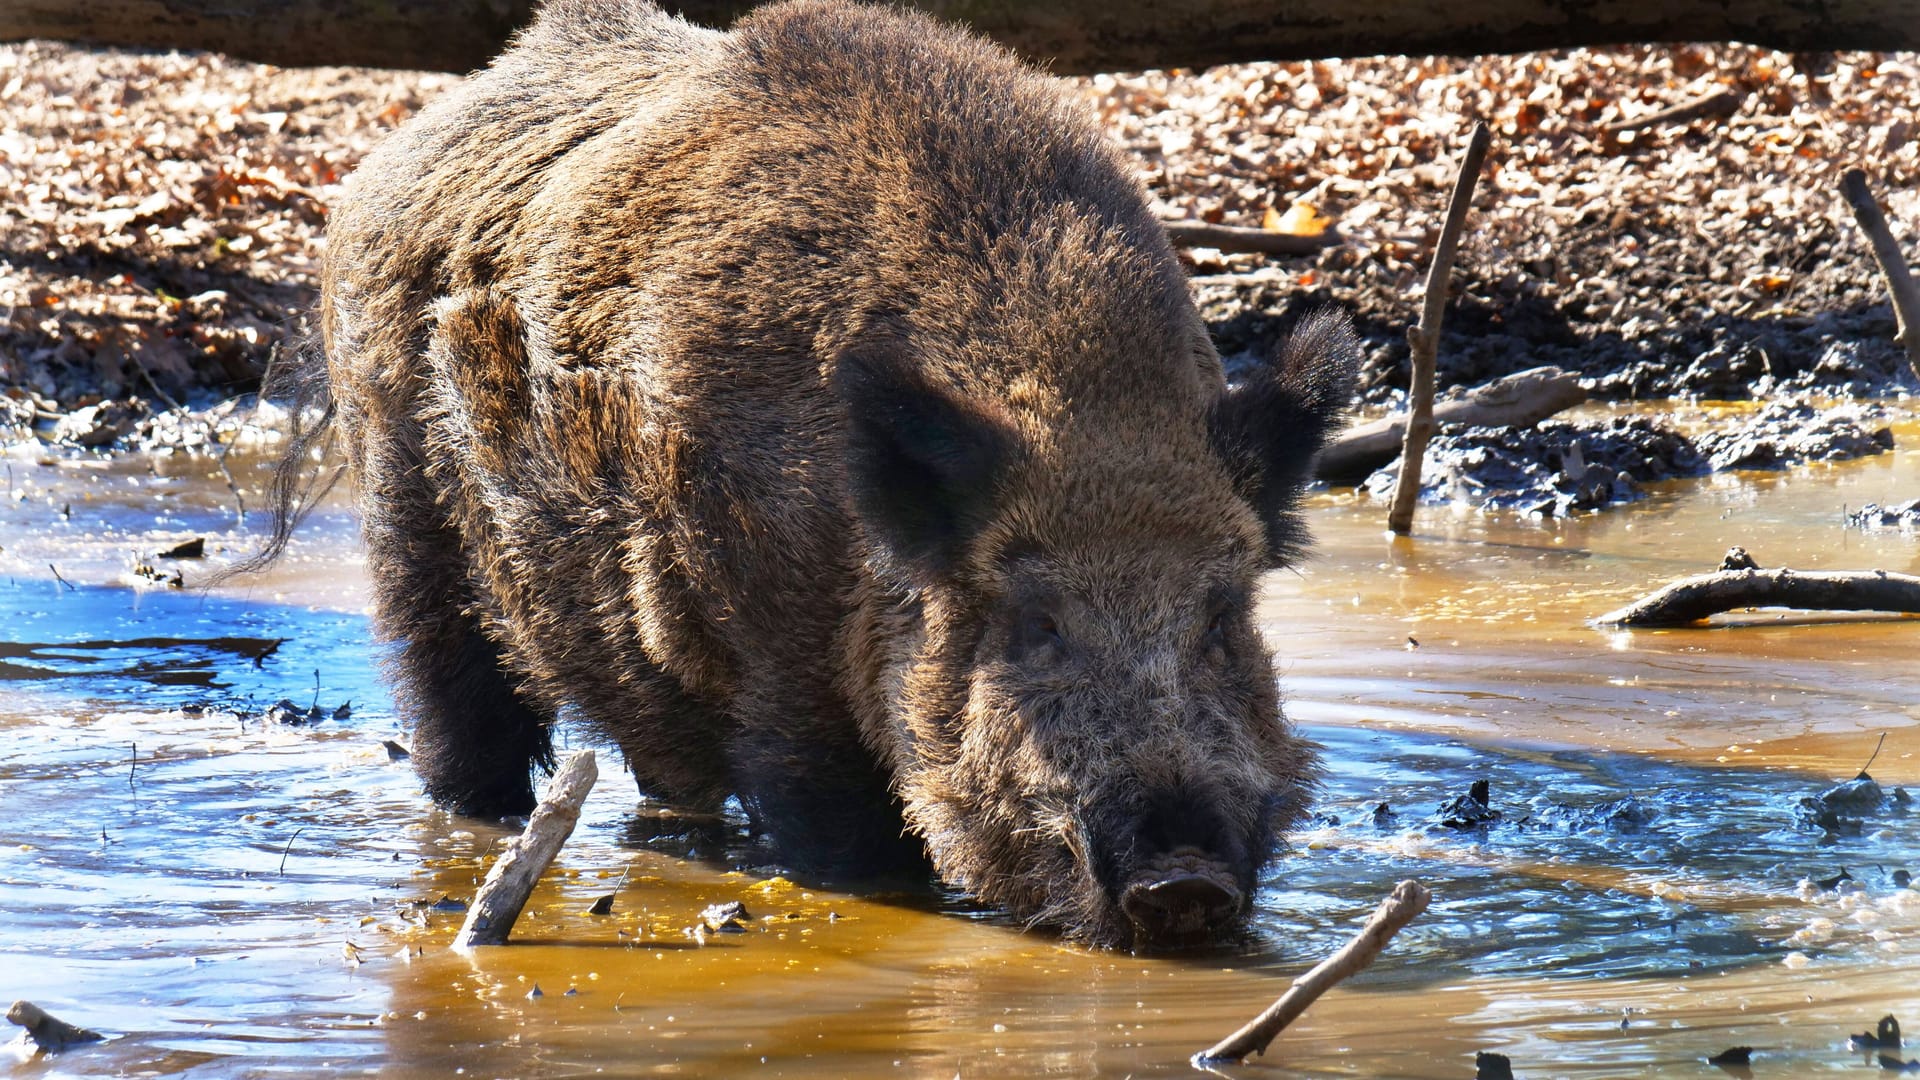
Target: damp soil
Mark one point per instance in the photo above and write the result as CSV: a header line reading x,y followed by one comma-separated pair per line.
x,y
204,859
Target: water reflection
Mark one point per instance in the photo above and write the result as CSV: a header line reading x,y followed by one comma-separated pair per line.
x,y
234,897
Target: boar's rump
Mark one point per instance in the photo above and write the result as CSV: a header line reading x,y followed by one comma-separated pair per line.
x,y
816,411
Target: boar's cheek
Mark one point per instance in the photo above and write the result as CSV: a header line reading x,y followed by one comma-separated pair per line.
x,y
1268,429
922,462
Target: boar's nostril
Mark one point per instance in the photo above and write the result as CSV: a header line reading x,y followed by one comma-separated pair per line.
x,y
1179,908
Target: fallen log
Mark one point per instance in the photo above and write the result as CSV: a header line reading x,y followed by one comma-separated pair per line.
x,y
1408,900
493,912
1070,36
1692,599
47,1031
1237,240
1519,400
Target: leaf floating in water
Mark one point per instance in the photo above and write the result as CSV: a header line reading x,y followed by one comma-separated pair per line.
x,y
1738,1055
727,918
1492,1066
602,906
49,1032
536,992
1832,883
572,991
195,548
1813,814
1886,1035
395,752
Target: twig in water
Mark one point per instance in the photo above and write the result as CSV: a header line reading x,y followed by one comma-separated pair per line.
x,y
133,764
1692,599
1875,754
284,852
61,580
1893,264
490,919
1408,900
1424,339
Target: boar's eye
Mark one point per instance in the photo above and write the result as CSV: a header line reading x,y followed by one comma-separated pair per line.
x,y
1037,631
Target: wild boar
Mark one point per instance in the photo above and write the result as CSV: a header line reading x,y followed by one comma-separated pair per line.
x,y
816,411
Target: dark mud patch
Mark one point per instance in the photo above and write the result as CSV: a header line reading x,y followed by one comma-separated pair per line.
x,y
1564,467
1553,470
1903,516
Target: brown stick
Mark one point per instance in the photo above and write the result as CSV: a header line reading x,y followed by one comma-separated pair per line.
x,y
1691,599
49,1032
518,869
1720,103
1236,240
1893,265
1520,400
1424,339
1408,900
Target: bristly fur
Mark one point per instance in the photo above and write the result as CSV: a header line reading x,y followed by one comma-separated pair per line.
x,y
296,378
817,411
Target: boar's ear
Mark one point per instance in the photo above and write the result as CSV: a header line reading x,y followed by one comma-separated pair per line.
x,y
922,462
1269,427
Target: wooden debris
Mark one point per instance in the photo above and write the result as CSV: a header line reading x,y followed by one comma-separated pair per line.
x,y
1408,900
1424,338
1721,103
1521,400
47,1031
1692,599
1893,265
1236,240
491,917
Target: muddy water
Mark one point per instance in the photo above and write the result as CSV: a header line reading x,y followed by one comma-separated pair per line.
x,y
228,896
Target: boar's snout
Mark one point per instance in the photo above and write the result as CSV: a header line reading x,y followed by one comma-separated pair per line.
x,y
1181,907
1190,876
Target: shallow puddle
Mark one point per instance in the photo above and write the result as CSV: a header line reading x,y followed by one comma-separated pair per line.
x,y
230,896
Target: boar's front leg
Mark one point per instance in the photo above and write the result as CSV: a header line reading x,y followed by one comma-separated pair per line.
x,y
474,739
808,782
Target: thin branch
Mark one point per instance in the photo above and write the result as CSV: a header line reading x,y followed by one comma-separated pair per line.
x,y
1893,265
518,869
1692,599
1408,900
1720,103
1236,240
1424,339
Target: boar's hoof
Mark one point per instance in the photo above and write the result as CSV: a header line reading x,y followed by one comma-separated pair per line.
x,y
1180,908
